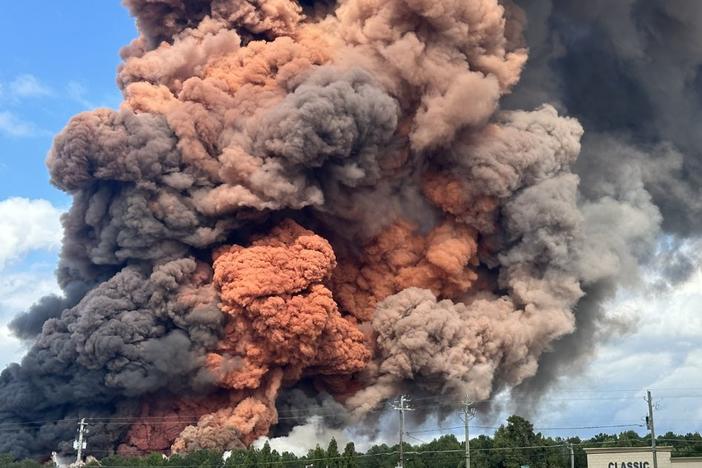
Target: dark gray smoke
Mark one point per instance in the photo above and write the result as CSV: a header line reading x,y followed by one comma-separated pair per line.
x,y
630,72
28,324
131,335
297,405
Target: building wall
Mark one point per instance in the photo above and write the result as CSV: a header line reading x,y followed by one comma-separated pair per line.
x,y
623,457
687,462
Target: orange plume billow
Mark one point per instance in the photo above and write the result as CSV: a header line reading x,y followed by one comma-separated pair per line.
x,y
441,261
310,204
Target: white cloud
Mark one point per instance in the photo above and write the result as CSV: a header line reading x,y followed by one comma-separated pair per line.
x,y
27,225
28,85
305,437
677,395
18,291
662,354
11,349
11,125
22,87
314,432
672,317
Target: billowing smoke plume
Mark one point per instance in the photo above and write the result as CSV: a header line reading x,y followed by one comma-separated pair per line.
x,y
630,72
325,204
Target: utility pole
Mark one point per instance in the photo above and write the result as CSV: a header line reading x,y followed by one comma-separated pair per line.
x,y
80,444
649,425
572,455
402,407
468,414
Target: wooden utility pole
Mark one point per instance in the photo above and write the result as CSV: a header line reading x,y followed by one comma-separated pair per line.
x,y
80,444
402,407
468,414
572,455
651,427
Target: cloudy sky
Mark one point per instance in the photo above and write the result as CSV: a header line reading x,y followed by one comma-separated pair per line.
x,y
65,63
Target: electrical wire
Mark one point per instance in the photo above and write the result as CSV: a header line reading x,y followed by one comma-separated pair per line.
x,y
610,426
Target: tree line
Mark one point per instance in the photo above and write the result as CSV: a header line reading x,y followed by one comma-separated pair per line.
x,y
514,444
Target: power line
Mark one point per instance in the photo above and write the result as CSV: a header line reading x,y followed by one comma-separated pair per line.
x,y
609,426
302,413
311,411
680,440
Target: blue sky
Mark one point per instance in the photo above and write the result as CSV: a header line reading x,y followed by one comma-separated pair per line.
x,y
59,58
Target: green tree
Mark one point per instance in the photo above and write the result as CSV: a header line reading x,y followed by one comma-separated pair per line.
x,y
264,457
202,459
316,457
155,459
332,454
237,458
349,459
9,461
287,460
379,456
511,439
481,453
444,451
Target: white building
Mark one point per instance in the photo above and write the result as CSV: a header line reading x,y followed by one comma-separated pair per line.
x,y
637,457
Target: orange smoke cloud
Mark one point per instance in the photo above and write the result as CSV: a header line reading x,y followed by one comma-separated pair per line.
x,y
282,320
271,65
400,258
281,313
230,419
161,420
237,424
452,194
